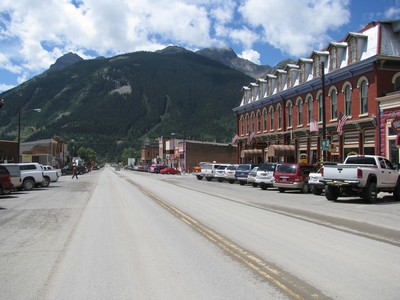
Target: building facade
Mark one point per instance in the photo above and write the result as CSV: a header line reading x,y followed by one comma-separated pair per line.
x,y
325,106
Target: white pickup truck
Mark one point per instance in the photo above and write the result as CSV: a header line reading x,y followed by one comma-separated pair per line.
x,y
361,175
31,175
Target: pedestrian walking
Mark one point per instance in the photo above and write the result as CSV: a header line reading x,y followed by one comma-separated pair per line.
x,y
75,172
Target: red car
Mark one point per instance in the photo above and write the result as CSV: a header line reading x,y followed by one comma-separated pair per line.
x,y
5,181
169,170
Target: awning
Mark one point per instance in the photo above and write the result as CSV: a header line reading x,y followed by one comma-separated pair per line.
x,y
281,150
251,152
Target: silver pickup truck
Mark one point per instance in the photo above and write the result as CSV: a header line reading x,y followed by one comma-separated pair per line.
x,y
361,175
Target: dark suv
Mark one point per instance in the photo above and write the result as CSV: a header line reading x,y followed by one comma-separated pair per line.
x,y
242,171
289,176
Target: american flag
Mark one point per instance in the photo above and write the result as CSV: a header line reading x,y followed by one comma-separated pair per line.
x,y
342,120
250,137
313,125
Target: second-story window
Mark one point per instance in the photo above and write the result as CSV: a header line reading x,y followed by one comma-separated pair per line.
x,y
333,104
290,114
347,100
272,119
242,127
310,109
320,107
265,120
247,123
253,129
258,121
364,97
280,117
300,112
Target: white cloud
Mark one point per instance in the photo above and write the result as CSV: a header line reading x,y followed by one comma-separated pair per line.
x,y
296,27
251,55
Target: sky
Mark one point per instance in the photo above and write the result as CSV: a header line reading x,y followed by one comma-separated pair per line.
x,y
34,33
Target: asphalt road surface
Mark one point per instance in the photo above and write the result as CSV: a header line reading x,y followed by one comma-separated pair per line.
x,y
127,235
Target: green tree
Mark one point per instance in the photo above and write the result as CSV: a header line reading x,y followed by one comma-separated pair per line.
x,y
87,154
128,153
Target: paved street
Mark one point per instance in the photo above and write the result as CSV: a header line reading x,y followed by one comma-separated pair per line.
x,y
129,235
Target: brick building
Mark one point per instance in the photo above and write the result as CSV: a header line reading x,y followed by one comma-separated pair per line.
x,y
282,117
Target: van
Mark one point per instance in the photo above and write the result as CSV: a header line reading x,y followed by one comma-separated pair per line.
x,y
209,170
290,176
15,173
5,181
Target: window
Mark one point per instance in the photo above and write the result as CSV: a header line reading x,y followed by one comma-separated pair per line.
x,y
290,113
397,84
300,112
309,108
280,116
271,124
265,120
242,125
247,123
352,50
347,100
258,121
320,107
316,66
253,123
333,59
333,104
364,97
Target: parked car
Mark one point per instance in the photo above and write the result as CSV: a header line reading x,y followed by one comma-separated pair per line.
x,y
169,170
242,171
152,167
230,172
5,181
68,170
209,170
31,175
220,173
158,168
293,176
251,177
15,173
265,175
314,181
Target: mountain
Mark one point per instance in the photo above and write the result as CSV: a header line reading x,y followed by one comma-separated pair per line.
x,y
110,104
229,58
65,61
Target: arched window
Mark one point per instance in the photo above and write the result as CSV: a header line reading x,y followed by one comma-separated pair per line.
x,y
397,84
258,121
272,119
309,109
333,104
290,114
265,119
347,100
320,107
280,116
241,125
300,112
253,129
247,123
364,97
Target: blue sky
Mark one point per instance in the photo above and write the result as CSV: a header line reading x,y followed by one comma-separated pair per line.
x,y
34,33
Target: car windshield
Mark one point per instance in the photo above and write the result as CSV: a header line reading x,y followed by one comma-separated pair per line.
x,y
232,167
243,167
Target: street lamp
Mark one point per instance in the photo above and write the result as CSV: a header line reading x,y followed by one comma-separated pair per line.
x,y
19,131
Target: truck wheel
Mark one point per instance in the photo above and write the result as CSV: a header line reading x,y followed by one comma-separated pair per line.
x,y
28,184
220,180
396,192
231,181
254,184
316,191
263,186
332,193
281,190
370,194
46,182
241,182
208,178
199,177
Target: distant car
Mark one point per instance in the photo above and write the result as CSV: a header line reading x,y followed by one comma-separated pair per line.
x,y
169,170
68,170
220,173
292,176
251,177
242,171
157,169
230,172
